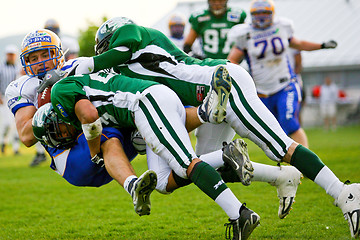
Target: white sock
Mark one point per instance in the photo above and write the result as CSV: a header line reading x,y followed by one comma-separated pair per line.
x,y
229,203
131,179
265,173
214,159
328,181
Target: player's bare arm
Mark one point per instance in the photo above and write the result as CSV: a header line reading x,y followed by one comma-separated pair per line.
x,y
91,124
311,46
116,162
23,119
189,40
304,45
235,55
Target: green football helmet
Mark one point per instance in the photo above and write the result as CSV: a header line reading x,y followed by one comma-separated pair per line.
x,y
105,32
217,7
52,131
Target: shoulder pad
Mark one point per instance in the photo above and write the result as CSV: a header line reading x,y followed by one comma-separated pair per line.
x,y
198,13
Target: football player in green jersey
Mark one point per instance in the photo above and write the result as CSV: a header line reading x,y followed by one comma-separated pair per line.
x,y
148,54
211,26
90,101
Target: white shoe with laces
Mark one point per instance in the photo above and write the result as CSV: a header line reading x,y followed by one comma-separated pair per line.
x,y
286,185
349,203
143,187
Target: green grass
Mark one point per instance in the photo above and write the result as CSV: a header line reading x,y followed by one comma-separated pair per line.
x,y
36,203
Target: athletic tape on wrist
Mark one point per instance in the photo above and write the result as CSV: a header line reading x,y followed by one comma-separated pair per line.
x,y
92,130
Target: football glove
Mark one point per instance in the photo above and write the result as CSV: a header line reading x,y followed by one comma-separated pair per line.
x,y
98,159
51,77
329,44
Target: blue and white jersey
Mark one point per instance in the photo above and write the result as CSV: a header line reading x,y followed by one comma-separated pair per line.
x,y
267,53
75,164
22,92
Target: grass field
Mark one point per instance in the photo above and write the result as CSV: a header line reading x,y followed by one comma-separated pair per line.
x,y
36,203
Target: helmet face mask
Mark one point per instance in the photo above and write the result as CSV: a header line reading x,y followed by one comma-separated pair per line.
x,y
52,131
177,26
217,7
262,12
105,32
41,51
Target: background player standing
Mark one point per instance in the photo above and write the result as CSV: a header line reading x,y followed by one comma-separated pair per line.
x,y
265,44
211,26
9,71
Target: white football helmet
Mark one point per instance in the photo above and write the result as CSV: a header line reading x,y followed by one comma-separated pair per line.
x,y
262,12
42,39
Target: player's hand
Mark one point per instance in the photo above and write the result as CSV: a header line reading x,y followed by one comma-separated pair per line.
x,y
51,77
329,44
80,65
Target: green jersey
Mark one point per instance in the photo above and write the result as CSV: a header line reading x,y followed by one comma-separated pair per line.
x,y
114,96
213,30
147,53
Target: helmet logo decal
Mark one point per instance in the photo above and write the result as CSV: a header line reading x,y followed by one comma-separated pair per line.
x,y
37,37
108,27
38,119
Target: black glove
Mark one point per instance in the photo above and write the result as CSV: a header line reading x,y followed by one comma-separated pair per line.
x,y
329,44
187,48
51,77
98,159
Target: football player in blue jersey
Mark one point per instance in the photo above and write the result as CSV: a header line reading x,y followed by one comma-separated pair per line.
x,y
70,157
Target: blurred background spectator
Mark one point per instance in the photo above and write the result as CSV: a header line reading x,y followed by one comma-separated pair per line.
x,y
9,71
329,94
70,45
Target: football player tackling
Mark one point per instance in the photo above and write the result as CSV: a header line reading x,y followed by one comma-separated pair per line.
x,y
42,52
148,54
89,101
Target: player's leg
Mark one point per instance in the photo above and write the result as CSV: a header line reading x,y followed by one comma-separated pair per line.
x,y
3,127
161,121
13,134
39,156
288,107
251,119
210,137
168,181
286,181
166,176
285,178
118,166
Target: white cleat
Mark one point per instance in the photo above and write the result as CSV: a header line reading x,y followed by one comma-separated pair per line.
x,y
349,202
286,185
143,187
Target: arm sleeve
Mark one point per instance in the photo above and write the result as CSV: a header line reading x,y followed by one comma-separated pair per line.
x,y
194,23
125,41
243,17
288,26
237,36
111,58
64,98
